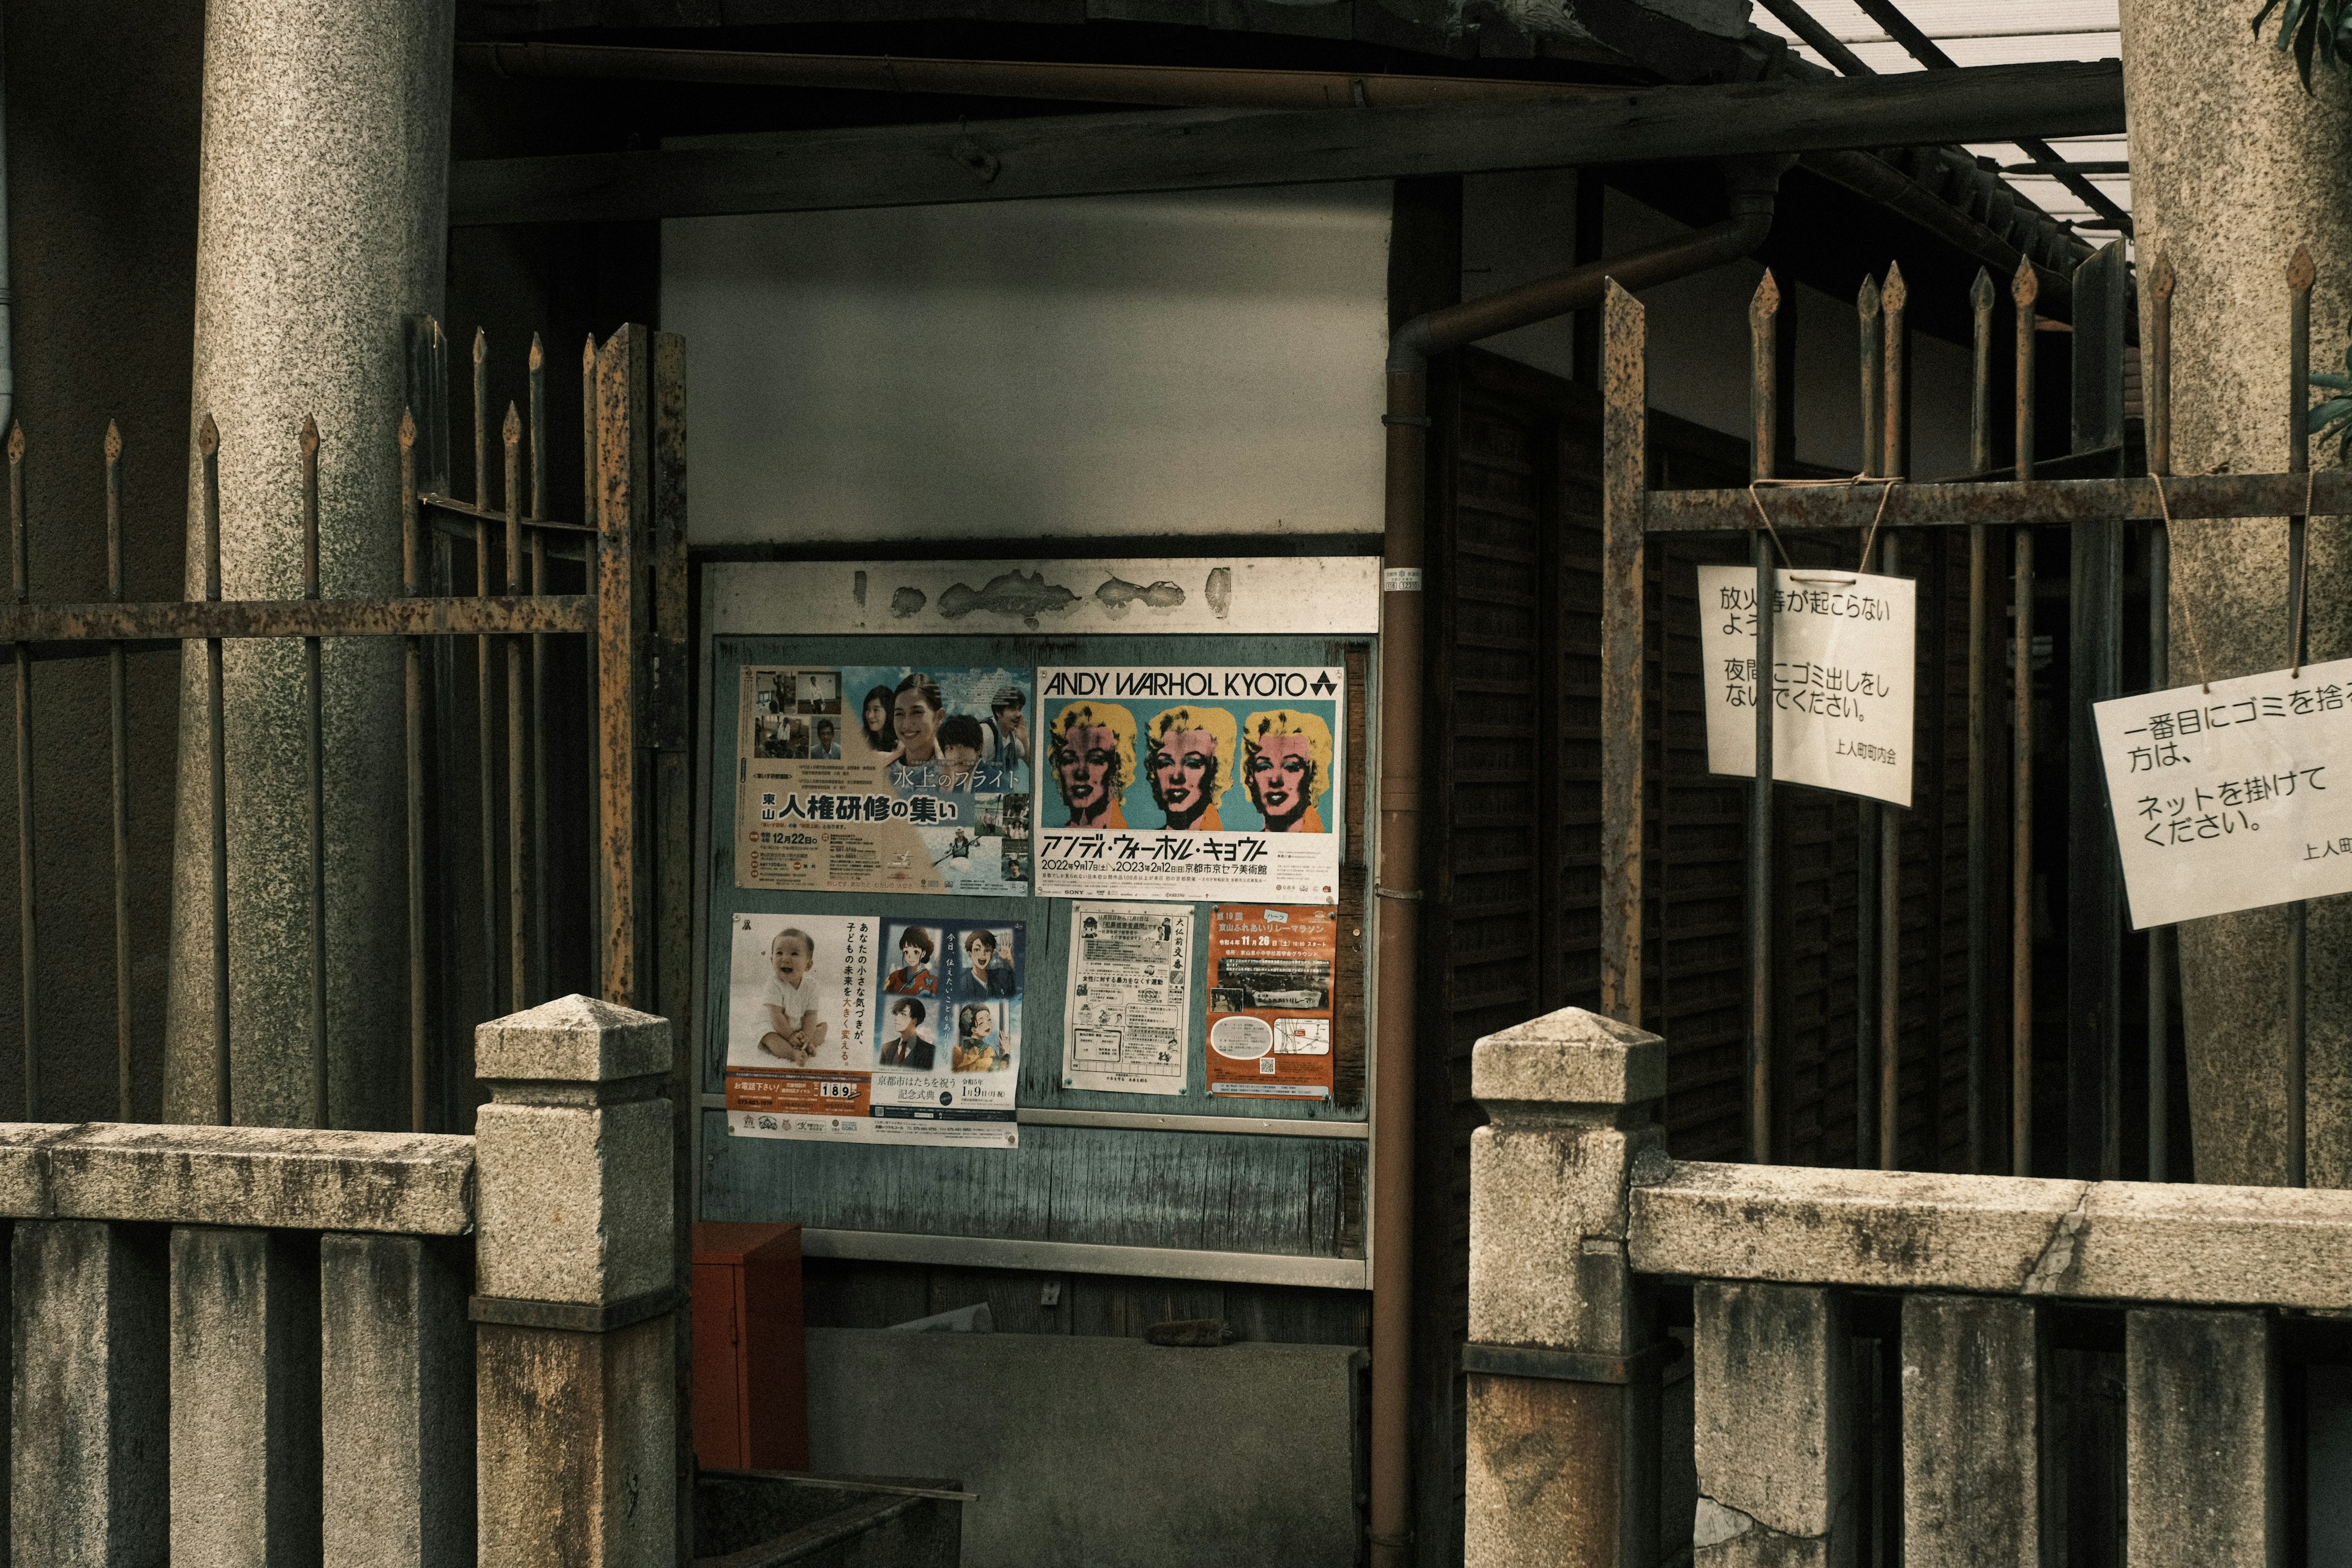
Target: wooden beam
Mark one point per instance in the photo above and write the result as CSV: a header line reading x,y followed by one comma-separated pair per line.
x,y
1109,154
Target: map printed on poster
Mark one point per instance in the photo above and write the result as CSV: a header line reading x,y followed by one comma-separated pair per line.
x,y
2233,798
883,778
1130,998
875,1030
1190,782
1270,989
1842,652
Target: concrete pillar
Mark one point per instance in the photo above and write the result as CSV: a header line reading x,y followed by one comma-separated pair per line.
x,y
320,225
1772,1369
1975,1483
1562,1467
577,1309
245,1398
397,1396
88,1443
2232,166
2204,1446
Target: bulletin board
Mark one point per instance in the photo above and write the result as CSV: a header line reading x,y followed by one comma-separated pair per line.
x,y
1039,938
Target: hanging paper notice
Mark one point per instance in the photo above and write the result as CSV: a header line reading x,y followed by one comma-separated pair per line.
x,y
1270,980
873,1029
1190,783
883,778
1842,653
1130,998
2234,798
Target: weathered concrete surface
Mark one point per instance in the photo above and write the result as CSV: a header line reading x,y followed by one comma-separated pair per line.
x,y
572,1039
1772,1369
88,1443
415,1183
1541,1493
320,226
1088,1451
2204,1443
245,1398
1569,1058
1914,1231
1973,1436
2232,166
396,1395
577,1433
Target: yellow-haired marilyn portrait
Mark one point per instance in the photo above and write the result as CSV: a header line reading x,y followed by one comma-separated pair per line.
x,y
1091,746
1286,763
1189,759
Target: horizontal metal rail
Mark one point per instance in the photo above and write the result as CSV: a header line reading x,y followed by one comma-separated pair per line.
x,y
2007,501
176,620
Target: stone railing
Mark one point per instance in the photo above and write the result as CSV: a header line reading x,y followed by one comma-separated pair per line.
x,y
1578,1214
264,1345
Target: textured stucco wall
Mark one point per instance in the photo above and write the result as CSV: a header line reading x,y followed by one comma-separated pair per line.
x,y
2232,166
322,219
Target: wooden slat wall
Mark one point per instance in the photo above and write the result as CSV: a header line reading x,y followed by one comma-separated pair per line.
x,y
1514,590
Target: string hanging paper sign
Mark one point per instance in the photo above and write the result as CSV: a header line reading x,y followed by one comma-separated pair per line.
x,y
1843,656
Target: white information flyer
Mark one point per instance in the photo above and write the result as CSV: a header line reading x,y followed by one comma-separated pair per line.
x,y
1130,998
1844,650
1194,783
2234,798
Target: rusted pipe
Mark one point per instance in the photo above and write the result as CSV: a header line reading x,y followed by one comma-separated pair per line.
x,y
1750,184
1175,86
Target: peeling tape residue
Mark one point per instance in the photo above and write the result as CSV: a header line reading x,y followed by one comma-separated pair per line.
x,y
904,602
1117,595
2062,1251
1220,589
858,588
1009,594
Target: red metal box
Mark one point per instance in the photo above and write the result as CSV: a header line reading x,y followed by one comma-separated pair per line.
x,y
751,1364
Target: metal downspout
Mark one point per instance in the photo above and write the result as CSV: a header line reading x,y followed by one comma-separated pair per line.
x,y
8,287
1752,184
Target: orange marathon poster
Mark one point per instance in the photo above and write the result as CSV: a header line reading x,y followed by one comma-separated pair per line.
x,y
1270,979
876,1030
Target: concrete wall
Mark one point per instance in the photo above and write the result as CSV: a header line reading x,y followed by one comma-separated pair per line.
x,y
102,118
1095,1450
1125,366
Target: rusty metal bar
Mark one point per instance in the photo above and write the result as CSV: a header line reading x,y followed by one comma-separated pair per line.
x,y
411,571
2299,278
2047,502
443,509
119,734
1624,448
518,740
19,579
2024,290
1893,452
1869,1108
538,436
623,484
315,764
2155,383
215,744
485,686
1980,825
592,511
1764,407
174,620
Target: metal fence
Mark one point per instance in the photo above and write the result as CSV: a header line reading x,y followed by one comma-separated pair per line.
x,y
631,543
2082,493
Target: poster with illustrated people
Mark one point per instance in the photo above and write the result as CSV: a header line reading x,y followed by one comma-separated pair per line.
x,y
872,1028
884,778
1194,783
1270,994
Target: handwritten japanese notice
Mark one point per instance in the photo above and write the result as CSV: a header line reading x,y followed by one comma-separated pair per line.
x,y
1843,650
1130,998
1189,782
2233,798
